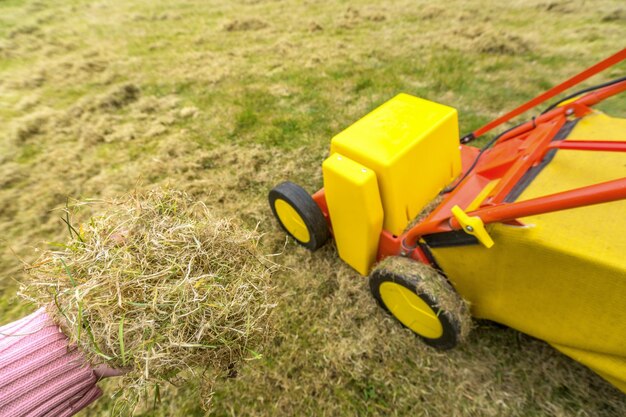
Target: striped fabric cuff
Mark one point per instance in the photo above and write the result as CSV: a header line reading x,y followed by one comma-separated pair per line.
x,y
40,373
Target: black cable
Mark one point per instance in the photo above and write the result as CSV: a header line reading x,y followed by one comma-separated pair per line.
x,y
470,137
583,91
482,150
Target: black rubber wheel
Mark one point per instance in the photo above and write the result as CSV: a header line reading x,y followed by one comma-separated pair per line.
x,y
422,300
299,215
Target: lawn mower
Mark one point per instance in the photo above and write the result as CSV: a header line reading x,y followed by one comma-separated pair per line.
x,y
527,231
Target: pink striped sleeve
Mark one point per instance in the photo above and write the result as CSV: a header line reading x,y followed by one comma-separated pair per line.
x,y
40,373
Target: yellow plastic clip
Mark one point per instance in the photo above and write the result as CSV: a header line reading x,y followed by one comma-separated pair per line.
x,y
473,226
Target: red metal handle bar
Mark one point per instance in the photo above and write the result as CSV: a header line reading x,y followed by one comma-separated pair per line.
x,y
589,145
594,97
587,100
576,79
585,196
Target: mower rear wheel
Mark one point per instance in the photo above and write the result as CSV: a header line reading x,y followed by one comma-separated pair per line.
x,y
422,300
299,215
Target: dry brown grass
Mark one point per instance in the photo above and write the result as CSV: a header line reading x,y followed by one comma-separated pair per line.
x,y
157,285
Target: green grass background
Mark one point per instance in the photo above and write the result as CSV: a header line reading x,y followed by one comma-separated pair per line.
x,y
226,99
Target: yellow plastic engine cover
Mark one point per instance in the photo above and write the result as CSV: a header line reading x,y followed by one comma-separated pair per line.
x,y
413,147
355,210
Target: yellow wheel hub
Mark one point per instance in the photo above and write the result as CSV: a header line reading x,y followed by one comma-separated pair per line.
x,y
292,221
411,310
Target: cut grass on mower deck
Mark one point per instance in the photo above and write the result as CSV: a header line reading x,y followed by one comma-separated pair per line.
x,y
227,99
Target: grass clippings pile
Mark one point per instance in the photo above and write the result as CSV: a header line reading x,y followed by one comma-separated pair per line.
x,y
158,286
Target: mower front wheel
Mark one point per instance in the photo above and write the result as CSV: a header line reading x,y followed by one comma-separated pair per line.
x,y
299,215
422,300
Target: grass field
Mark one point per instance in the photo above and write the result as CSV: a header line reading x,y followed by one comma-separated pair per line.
x,y
226,99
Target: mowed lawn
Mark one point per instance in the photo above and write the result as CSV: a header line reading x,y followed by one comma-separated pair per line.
x,y
226,99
